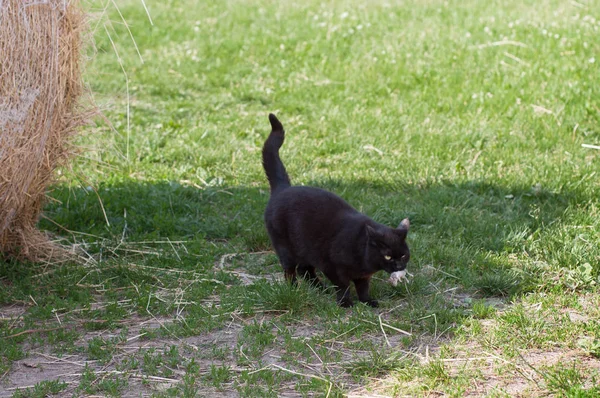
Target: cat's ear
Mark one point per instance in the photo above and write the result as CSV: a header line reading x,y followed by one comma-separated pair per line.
x,y
373,235
371,231
404,224
403,228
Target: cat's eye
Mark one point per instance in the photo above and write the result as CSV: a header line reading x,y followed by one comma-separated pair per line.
x,y
387,258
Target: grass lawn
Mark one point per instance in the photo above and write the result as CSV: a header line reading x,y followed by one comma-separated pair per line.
x,y
465,116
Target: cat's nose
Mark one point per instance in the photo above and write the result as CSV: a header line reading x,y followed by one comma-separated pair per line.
x,y
401,266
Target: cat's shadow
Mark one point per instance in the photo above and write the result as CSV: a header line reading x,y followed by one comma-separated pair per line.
x,y
469,230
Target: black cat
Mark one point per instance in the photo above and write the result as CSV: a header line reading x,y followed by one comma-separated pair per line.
x,y
312,228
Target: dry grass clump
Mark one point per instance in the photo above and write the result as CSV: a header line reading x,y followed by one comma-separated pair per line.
x,y
40,112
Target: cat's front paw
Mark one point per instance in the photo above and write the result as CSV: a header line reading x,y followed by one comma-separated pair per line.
x,y
346,303
373,303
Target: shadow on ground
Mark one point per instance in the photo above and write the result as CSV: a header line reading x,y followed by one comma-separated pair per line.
x,y
471,230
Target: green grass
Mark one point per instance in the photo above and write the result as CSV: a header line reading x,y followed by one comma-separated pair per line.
x,y
41,390
467,117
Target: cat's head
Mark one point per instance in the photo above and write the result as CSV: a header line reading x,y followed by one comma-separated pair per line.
x,y
387,248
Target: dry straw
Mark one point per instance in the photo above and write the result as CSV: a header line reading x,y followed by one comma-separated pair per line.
x,y
40,112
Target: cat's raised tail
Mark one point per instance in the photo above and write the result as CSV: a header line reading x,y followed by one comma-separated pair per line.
x,y
274,168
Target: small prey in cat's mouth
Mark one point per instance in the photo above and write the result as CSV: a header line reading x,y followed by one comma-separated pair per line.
x,y
311,229
398,276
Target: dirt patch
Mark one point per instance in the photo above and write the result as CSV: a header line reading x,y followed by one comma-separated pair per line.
x,y
220,348
39,367
12,312
489,373
45,366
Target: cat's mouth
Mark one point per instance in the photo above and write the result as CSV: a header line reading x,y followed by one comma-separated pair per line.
x,y
397,267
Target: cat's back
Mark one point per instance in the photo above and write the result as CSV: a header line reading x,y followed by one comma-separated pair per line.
x,y
308,221
310,202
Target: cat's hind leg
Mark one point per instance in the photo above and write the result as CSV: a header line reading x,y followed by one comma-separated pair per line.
x,y
286,257
288,263
308,273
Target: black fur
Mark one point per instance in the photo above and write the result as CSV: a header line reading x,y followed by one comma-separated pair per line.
x,y
276,174
311,228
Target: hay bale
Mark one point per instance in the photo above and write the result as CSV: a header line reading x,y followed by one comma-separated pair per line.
x,y
40,91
